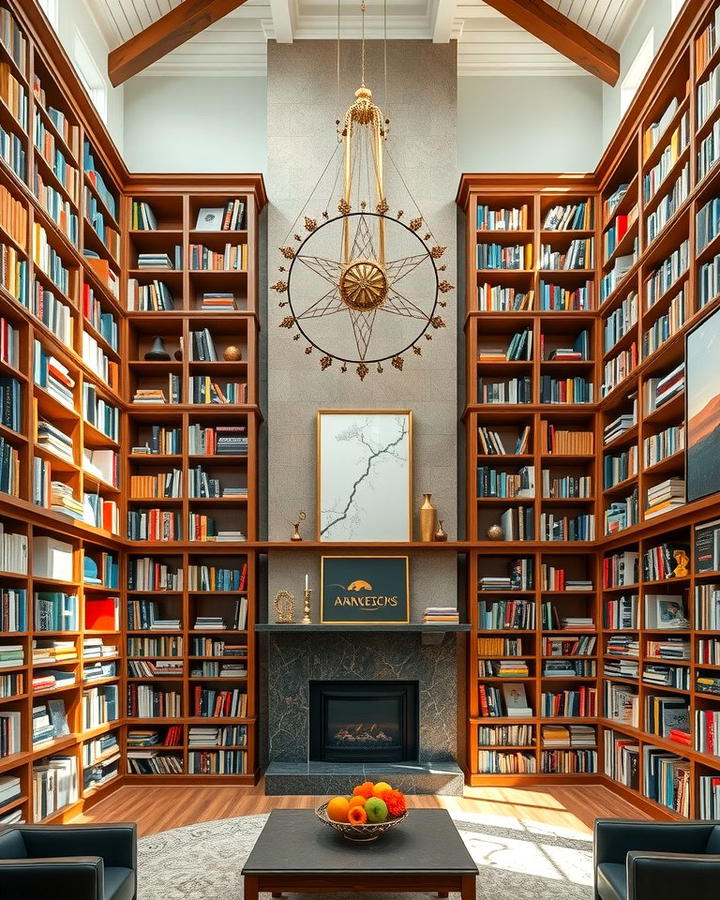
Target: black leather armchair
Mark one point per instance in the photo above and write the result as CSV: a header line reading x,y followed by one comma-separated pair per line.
x,y
656,860
68,862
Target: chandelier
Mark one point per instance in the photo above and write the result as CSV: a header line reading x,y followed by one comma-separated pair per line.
x,y
364,286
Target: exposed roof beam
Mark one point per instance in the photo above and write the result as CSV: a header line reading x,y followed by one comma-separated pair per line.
x,y
282,21
171,31
563,35
444,18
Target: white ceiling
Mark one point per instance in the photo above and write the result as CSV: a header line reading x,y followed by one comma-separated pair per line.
x,y
488,43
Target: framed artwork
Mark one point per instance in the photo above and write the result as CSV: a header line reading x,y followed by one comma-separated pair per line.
x,y
702,409
364,475
362,590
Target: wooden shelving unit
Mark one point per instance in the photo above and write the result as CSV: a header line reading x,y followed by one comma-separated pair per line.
x,y
68,250
647,191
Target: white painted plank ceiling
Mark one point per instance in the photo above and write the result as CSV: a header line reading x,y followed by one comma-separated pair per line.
x,y
488,43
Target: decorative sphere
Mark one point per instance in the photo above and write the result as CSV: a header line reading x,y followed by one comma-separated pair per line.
x,y
178,355
495,532
232,353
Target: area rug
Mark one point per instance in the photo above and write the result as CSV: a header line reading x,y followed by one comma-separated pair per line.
x,y
517,860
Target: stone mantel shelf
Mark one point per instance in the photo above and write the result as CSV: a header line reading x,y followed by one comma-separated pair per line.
x,y
349,629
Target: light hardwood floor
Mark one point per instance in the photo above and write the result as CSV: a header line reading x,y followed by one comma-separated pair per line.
x,y
159,808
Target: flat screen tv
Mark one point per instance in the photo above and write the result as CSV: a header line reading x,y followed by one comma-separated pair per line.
x,y
702,408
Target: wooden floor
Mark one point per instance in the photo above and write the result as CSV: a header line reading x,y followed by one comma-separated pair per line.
x,y
159,808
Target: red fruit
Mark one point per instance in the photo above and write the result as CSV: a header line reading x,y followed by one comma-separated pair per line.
x,y
357,815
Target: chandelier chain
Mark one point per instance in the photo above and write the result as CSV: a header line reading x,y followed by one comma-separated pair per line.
x,y
362,10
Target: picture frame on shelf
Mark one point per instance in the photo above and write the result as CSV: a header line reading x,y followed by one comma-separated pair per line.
x,y
665,612
365,590
702,409
209,218
364,475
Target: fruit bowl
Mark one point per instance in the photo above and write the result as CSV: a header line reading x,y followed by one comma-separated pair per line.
x,y
368,831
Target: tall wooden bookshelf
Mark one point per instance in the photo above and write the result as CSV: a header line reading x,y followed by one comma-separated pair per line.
x,y
176,206
71,358
650,289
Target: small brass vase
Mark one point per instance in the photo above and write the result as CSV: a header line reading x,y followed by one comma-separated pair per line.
x,y
428,519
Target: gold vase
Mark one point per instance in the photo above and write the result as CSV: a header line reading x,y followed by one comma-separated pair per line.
x,y
428,520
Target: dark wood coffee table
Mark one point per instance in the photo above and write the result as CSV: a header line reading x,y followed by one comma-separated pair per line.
x,y
296,853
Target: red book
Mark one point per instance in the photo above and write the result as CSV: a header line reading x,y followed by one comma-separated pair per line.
x,y
101,614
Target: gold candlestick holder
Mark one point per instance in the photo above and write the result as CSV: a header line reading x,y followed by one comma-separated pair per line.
x,y
306,620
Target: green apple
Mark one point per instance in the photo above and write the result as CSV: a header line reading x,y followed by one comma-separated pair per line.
x,y
376,809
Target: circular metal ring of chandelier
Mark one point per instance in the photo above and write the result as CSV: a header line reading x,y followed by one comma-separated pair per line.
x,y
363,287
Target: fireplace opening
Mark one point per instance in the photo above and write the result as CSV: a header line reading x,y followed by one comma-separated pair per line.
x,y
363,721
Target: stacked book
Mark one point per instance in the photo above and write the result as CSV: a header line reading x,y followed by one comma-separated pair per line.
x,y
95,648
446,614
96,671
160,260
623,645
507,668
621,668
12,656
219,670
577,623
666,676
663,497
707,684
47,679
568,736
62,500
53,651
671,648
619,425
51,375
495,583
559,668
9,789
659,391
159,668
209,623
142,737
54,440
218,301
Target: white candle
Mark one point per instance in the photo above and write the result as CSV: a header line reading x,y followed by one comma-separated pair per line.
x,y
306,582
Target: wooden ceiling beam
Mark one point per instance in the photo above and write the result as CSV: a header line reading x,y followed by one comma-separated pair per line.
x,y
171,31
562,34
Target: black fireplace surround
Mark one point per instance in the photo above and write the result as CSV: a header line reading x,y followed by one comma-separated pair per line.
x,y
363,721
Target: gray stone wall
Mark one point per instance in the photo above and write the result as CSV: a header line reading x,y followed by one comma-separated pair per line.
x,y
302,109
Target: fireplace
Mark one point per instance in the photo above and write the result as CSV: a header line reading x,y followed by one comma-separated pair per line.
x,y
364,721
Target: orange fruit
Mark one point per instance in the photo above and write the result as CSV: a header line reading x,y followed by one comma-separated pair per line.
x,y
357,815
357,800
380,789
364,790
337,809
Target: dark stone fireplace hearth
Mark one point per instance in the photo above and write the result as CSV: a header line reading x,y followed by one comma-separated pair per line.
x,y
295,662
363,721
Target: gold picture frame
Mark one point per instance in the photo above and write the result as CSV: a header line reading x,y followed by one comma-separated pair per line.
x,y
384,524
355,562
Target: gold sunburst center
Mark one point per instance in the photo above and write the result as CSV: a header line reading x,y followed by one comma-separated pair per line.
x,y
363,285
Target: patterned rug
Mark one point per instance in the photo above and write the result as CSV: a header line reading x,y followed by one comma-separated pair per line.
x,y
517,860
